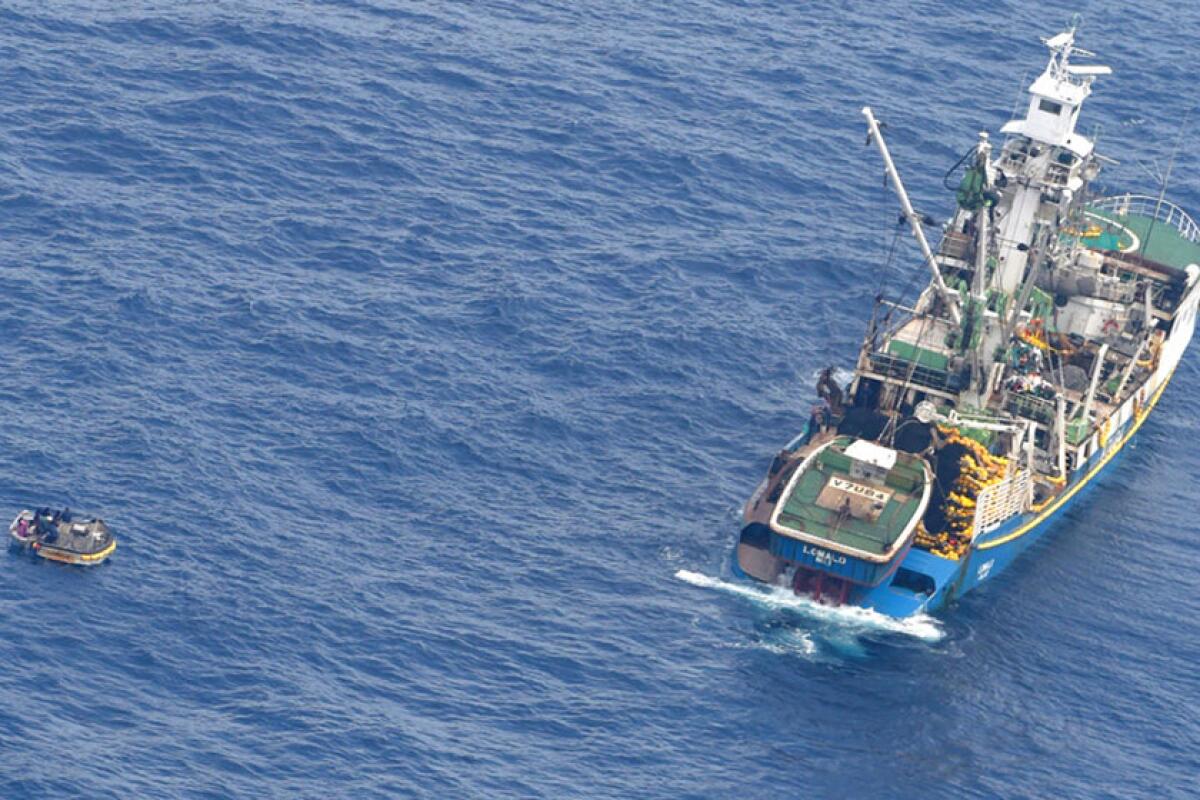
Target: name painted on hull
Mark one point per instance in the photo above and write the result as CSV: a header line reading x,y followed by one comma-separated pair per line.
x,y
869,492
823,557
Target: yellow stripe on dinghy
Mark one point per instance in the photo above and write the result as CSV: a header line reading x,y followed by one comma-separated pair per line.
x,y
78,558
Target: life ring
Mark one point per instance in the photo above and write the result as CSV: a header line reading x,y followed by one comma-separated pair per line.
x,y
1111,326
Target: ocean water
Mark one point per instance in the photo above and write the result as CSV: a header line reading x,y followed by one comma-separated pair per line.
x,y
421,355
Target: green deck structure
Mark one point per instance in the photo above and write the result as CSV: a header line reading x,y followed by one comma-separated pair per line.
x,y
1158,241
800,512
923,356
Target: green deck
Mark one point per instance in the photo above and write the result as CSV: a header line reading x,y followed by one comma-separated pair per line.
x,y
801,512
1165,244
923,356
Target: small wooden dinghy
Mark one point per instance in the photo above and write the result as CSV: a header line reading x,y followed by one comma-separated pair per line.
x,y
61,536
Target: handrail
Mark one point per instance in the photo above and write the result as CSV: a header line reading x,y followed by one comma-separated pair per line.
x,y
891,366
1002,501
1163,211
1029,405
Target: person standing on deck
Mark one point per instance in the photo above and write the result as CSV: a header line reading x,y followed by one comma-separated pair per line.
x,y
830,392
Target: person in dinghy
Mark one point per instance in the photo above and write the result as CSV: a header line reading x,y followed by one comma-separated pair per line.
x,y
62,536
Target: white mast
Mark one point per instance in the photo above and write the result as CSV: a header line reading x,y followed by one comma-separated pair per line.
x,y
983,235
914,220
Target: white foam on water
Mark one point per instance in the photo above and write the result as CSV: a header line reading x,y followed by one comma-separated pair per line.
x,y
793,643
799,645
850,618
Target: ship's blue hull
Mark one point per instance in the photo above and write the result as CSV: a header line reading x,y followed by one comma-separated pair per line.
x,y
955,578
856,570
997,549
994,551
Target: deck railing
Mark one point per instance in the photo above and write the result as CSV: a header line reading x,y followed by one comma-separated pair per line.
x,y
1166,212
1002,500
895,367
1031,407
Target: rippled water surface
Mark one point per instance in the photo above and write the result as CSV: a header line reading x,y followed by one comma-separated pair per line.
x,y
421,355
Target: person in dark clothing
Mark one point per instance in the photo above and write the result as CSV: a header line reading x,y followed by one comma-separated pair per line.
x,y
830,392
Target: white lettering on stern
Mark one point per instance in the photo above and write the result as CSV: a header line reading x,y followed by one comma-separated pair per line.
x,y
869,492
823,557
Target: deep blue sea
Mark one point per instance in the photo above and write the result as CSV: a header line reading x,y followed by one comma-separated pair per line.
x,y
421,355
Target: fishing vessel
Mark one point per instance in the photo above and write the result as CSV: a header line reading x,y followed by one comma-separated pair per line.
x,y
1052,323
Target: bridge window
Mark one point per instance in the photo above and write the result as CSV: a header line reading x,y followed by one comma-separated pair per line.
x,y
1050,107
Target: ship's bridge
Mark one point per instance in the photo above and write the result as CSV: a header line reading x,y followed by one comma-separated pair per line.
x,y
1056,96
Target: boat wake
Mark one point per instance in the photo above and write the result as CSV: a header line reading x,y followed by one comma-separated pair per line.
x,y
841,625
